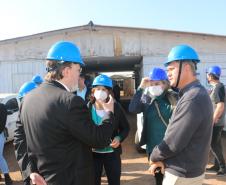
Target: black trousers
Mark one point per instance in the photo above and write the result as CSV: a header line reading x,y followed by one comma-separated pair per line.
x,y
27,181
216,147
112,165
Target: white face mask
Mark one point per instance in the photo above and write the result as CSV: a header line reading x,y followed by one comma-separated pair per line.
x,y
100,95
155,90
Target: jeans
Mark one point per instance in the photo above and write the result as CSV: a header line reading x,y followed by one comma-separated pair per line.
x,y
3,165
216,147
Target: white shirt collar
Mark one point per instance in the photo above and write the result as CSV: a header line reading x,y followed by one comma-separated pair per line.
x,y
64,86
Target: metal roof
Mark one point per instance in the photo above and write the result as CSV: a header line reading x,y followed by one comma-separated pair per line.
x,y
92,27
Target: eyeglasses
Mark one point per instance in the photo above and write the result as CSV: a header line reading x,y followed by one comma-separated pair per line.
x,y
79,70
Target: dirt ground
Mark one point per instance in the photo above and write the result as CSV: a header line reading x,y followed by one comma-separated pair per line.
x,y
134,164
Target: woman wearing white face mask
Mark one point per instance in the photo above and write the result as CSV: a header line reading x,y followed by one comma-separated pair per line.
x,y
156,101
108,157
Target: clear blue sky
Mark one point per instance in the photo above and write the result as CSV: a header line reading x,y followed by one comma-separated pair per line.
x,y
26,17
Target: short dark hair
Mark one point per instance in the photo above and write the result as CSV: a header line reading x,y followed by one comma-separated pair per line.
x,y
214,77
192,64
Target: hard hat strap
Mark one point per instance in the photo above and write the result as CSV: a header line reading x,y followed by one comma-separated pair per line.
x,y
179,74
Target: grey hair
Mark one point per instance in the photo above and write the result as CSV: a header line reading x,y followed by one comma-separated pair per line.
x,y
192,65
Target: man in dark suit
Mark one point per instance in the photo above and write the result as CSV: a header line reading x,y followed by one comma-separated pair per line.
x,y
20,142
58,128
116,91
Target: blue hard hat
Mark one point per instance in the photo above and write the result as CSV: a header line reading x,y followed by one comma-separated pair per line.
x,y
37,79
64,51
157,74
182,52
26,88
215,70
102,80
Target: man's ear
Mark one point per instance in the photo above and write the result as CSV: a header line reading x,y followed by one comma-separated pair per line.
x,y
187,67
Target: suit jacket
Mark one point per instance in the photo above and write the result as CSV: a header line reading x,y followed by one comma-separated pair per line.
x,y
20,146
88,92
60,133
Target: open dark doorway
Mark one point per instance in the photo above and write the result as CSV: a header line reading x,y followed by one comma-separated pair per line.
x,y
125,71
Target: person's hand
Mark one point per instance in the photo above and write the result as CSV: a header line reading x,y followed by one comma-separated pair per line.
x,y
37,179
108,106
145,82
154,166
115,143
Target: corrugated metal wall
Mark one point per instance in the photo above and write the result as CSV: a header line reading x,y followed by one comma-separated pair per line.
x,y
14,74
